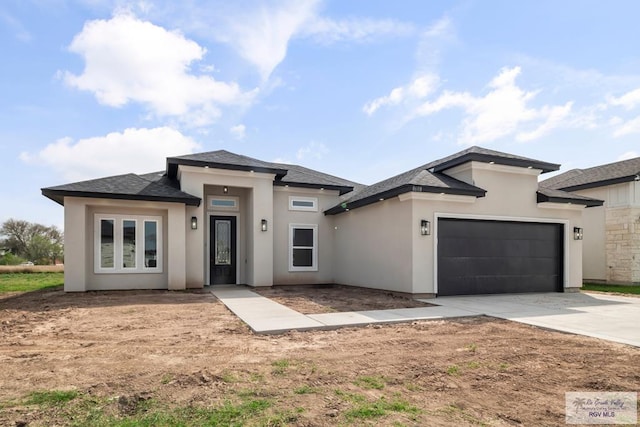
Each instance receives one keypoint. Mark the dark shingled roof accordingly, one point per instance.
(151, 187)
(293, 175)
(598, 176)
(299, 176)
(559, 196)
(222, 159)
(430, 178)
(484, 155)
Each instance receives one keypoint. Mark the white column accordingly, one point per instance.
(76, 259)
(176, 247)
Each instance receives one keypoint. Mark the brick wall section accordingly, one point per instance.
(622, 245)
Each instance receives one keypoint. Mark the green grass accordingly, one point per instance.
(280, 366)
(453, 370)
(27, 282)
(379, 408)
(621, 289)
(51, 398)
(376, 383)
(305, 389)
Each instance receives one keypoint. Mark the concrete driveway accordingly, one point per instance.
(613, 318)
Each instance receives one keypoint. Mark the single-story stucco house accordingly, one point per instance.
(472, 223)
(612, 232)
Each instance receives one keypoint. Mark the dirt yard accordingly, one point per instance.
(102, 358)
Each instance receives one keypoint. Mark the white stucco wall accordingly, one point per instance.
(80, 273)
(594, 259)
(283, 217)
(380, 245)
(255, 189)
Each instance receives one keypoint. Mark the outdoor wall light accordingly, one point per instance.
(263, 225)
(194, 222)
(225, 189)
(577, 233)
(425, 227)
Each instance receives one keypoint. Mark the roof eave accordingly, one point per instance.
(173, 163)
(59, 195)
(342, 189)
(541, 198)
(488, 158)
(343, 207)
(603, 183)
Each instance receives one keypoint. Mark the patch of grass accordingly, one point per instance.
(376, 383)
(453, 370)
(459, 412)
(379, 408)
(228, 377)
(51, 397)
(280, 366)
(27, 282)
(305, 389)
(350, 397)
(621, 289)
(503, 366)
(473, 365)
(472, 348)
(166, 379)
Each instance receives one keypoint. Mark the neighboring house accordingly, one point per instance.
(611, 232)
(473, 222)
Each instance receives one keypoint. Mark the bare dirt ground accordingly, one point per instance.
(336, 298)
(121, 350)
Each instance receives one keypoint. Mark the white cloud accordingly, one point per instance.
(418, 89)
(129, 60)
(629, 100)
(326, 30)
(238, 131)
(134, 150)
(628, 127)
(260, 31)
(628, 155)
(313, 150)
(503, 110)
(18, 29)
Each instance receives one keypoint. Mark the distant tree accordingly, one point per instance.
(35, 242)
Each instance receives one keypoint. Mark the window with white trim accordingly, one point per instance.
(297, 203)
(303, 247)
(223, 203)
(128, 244)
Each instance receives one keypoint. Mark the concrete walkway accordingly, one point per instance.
(265, 316)
(613, 318)
(609, 317)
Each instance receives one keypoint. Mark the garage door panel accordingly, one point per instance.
(477, 257)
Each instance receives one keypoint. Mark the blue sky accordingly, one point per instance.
(360, 89)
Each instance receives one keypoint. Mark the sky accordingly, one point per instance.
(362, 89)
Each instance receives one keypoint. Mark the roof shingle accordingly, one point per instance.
(598, 176)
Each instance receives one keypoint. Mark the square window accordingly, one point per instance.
(303, 247)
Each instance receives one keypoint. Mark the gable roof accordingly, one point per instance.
(598, 176)
(558, 196)
(484, 155)
(286, 174)
(222, 159)
(151, 187)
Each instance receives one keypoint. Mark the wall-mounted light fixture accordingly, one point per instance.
(194, 222)
(425, 227)
(225, 189)
(263, 225)
(577, 233)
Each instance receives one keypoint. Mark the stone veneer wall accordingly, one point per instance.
(623, 245)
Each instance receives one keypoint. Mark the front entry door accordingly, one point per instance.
(222, 250)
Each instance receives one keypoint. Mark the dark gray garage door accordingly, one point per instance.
(489, 257)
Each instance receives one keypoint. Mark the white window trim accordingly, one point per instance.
(234, 208)
(314, 256)
(313, 200)
(118, 244)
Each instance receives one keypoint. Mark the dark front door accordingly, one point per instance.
(489, 257)
(222, 250)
